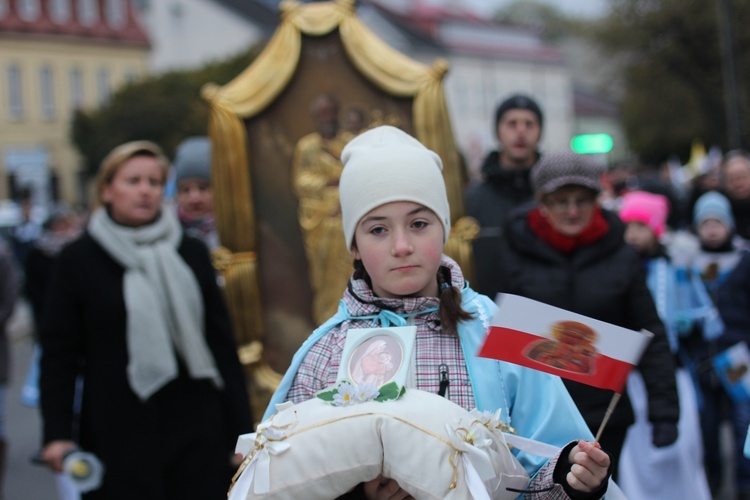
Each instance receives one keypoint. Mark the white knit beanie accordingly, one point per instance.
(383, 165)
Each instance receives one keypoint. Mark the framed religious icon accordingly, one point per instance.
(278, 130)
(377, 356)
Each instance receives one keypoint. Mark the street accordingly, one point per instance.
(23, 480)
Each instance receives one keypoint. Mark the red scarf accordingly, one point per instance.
(567, 244)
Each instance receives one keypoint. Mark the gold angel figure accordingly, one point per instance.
(316, 170)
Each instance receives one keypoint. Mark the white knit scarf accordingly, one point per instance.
(162, 300)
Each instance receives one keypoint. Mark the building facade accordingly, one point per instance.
(488, 62)
(57, 56)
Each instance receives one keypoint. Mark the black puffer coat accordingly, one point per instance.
(605, 281)
(501, 191)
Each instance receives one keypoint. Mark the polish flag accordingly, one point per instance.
(549, 339)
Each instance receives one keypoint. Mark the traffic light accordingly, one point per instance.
(591, 143)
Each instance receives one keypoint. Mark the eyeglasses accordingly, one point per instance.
(562, 205)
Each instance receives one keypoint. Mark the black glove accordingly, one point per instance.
(664, 433)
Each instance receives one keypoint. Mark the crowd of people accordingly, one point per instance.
(137, 356)
(631, 245)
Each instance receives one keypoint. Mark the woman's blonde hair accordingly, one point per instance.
(118, 156)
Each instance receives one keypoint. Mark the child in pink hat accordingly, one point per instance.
(643, 466)
(646, 216)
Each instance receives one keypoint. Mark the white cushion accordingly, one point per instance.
(315, 450)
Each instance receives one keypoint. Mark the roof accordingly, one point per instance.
(460, 31)
(450, 29)
(586, 103)
(263, 13)
(130, 32)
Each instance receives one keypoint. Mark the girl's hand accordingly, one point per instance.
(383, 488)
(590, 466)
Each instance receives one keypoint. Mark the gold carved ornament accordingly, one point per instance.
(261, 83)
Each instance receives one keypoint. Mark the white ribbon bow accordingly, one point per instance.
(478, 466)
(259, 469)
(262, 461)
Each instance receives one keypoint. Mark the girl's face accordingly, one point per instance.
(640, 237)
(134, 195)
(400, 244)
(713, 233)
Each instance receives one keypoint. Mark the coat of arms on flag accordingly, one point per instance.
(549, 339)
(733, 368)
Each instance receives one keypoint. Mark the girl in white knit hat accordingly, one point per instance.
(396, 220)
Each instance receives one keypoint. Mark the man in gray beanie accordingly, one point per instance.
(505, 183)
(192, 165)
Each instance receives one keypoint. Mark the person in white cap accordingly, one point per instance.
(396, 220)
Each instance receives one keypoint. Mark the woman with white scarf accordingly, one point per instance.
(134, 312)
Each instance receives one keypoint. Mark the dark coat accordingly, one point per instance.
(741, 214)
(733, 303)
(83, 333)
(605, 281)
(490, 202)
(38, 270)
(10, 286)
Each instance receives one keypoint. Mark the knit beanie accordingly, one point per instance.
(193, 159)
(647, 208)
(383, 165)
(517, 101)
(713, 205)
(555, 170)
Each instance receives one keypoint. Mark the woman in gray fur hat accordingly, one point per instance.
(569, 252)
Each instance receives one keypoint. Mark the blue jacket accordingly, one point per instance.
(534, 403)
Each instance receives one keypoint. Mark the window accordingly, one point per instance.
(87, 12)
(47, 88)
(76, 88)
(115, 12)
(28, 10)
(59, 11)
(3, 8)
(131, 75)
(102, 85)
(15, 97)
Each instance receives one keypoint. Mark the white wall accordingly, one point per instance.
(474, 87)
(190, 33)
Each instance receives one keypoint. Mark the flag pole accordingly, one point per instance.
(607, 414)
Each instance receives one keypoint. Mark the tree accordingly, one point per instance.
(164, 109)
(553, 24)
(669, 55)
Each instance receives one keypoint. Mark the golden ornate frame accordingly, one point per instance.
(256, 88)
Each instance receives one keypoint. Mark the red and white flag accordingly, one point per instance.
(549, 339)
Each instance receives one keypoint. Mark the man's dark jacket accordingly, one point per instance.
(490, 202)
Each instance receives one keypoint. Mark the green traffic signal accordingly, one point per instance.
(591, 143)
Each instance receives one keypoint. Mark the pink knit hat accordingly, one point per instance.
(647, 208)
